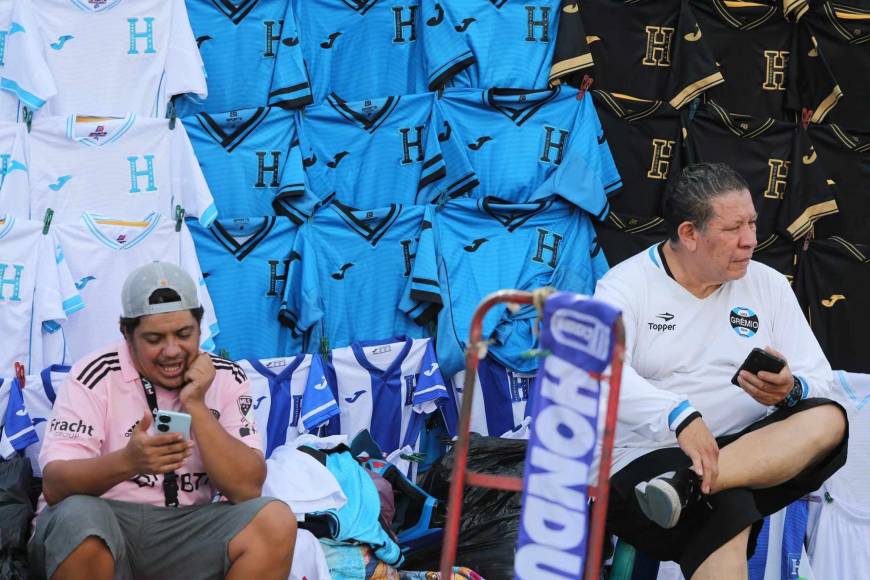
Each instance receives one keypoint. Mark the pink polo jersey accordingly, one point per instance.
(103, 399)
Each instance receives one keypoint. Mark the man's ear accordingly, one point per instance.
(688, 235)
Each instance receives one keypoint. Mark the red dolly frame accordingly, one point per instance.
(461, 477)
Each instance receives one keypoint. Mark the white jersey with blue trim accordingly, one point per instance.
(18, 433)
(125, 167)
(24, 74)
(102, 251)
(37, 293)
(114, 57)
(14, 180)
(386, 387)
(682, 351)
(290, 397)
(501, 397)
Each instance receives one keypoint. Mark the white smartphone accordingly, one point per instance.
(171, 422)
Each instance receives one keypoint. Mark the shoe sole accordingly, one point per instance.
(660, 503)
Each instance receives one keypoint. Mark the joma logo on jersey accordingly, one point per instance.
(535, 22)
(272, 38)
(555, 139)
(404, 21)
(409, 143)
(552, 247)
(777, 178)
(12, 281)
(262, 168)
(775, 63)
(147, 35)
(658, 46)
(661, 159)
(136, 173)
(274, 277)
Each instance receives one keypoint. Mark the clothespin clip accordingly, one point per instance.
(179, 217)
(28, 118)
(536, 353)
(224, 353)
(415, 457)
(806, 115)
(324, 346)
(19, 374)
(46, 221)
(584, 86)
(170, 112)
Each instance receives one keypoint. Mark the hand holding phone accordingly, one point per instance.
(759, 360)
(172, 422)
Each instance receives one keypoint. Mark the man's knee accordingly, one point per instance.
(76, 506)
(274, 527)
(832, 422)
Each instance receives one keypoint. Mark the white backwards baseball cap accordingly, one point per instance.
(145, 280)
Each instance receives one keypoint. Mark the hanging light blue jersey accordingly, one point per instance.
(388, 387)
(251, 160)
(365, 49)
(514, 42)
(348, 271)
(290, 397)
(525, 145)
(380, 151)
(251, 54)
(244, 263)
(479, 246)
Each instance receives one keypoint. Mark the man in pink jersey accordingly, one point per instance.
(121, 499)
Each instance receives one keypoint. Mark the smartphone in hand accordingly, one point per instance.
(759, 360)
(171, 422)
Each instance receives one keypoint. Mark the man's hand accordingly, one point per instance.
(765, 387)
(698, 443)
(154, 454)
(198, 379)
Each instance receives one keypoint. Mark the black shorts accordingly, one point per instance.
(701, 531)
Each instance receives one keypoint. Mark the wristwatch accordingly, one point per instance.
(794, 395)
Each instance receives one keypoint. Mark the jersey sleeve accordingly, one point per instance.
(811, 195)
(795, 340)
(693, 69)
(301, 306)
(460, 178)
(18, 433)
(76, 427)
(434, 168)
(421, 298)
(185, 71)
(811, 84)
(189, 188)
(237, 413)
(190, 264)
(431, 386)
(24, 71)
(572, 53)
(643, 408)
(56, 294)
(290, 88)
(318, 403)
(446, 50)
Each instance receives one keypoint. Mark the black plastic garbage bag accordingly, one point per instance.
(16, 513)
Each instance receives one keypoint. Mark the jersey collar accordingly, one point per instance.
(351, 111)
(235, 12)
(271, 375)
(612, 100)
(743, 20)
(836, 13)
(240, 250)
(370, 224)
(361, 6)
(519, 105)
(851, 142)
(742, 125)
(229, 140)
(382, 374)
(512, 215)
(93, 223)
(7, 225)
(95, 6)
(47, 385)
(119, 128)
(128, 370)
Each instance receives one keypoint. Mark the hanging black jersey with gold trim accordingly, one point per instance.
(843, 34)
(831, 284)
(844, 154)
(652, 49)
(645, 139)
(623, 236)
(754, 47)
(790, 194)
(778, 253)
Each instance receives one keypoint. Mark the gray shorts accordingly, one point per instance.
(146, 541)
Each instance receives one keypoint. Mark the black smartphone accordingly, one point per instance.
(759, 360)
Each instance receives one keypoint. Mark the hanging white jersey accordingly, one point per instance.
(678, 346)
(500, 398)
(24, 75)
(290, 397)
(102, 251)
(114, 57)
(36, 293)
(386, 387)
(126, 168)
(18, 433)
(13, 169)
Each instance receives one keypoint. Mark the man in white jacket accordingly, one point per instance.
(699, 461)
